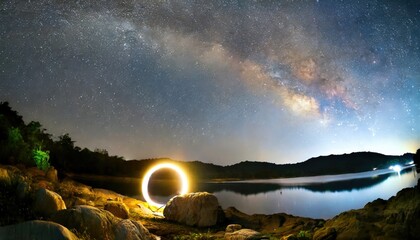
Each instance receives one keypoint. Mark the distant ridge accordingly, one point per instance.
(19, 140)
(322, 165)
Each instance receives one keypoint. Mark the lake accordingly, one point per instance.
(314, 197)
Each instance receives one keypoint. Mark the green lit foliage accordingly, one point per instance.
(15, 147)
(304, 235)
(19, 142)
(30, 145)
(14, 136)
(41, 158)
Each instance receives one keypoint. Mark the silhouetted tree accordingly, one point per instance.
(101, 151)
(416, 158)
(66, 141)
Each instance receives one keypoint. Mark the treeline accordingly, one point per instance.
(30, 145)
(22, 143)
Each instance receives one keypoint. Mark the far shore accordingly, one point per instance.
(305, 179)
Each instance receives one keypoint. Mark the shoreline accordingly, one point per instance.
(282, 181)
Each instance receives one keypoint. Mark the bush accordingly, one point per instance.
(42, 159)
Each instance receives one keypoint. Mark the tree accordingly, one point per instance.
(416, 158)
(36, 136)
(101, 151)
(11, 116)
(65, 141)
(15, 137)
(16, 148)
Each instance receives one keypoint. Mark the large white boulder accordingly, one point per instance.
(199, 209)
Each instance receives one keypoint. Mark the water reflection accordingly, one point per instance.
(317, 200)
(332, 183)
(250, 188)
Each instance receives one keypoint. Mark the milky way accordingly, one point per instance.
(217, 81)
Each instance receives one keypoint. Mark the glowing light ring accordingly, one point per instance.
(146, 178)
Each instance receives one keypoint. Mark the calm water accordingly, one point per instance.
(315, 197)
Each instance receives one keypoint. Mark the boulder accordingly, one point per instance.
(100, 224)
(33, 230)
(131, 230)
(233, 227)
(5, 177)
(199, 209)
(51, 174)
(138, 208)
(279, 222)
(119, 209)
(102, 196)
(86, 219)
(243, 234)
(23, 187)
(47, 202)
(256, 221)
(35, 172)
(325, 234)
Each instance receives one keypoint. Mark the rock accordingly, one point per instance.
(79, 201)
(95, 222)
(289, 237)
(51, 174)
(242, 234)
(233, 227)
(100, 224)
(325, 234)
(75, 193)
(119, 209)
(397, 218)
(35, 172)
(5, 178)
(23, 190)
(47, 202)
(36, 230)
(194, 209)
(279, 222)
(137, 207)
(102, 196)
(235, 216)
(255, 221)
(131, 230)
(41, 183)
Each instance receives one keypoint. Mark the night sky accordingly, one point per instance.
(217, 81)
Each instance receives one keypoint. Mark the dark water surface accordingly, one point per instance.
(315, 197)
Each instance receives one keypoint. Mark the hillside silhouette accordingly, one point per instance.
(21, 142)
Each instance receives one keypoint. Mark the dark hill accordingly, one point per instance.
(20, 142)
(323, 165)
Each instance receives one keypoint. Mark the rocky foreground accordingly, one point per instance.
(37, 205)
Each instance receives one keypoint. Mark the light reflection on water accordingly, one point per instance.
(306, 202)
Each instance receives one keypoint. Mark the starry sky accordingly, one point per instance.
(217, 81)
